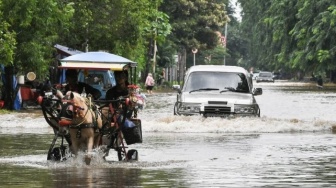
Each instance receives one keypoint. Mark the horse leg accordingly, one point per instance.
(90, 141)
(97, 140)
(75, 142)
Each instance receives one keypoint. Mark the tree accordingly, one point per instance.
(119, 27)
(194, 25)
(30, 29)
(294, 35)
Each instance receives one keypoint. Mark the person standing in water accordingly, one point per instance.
(149, 83)
(319, 82)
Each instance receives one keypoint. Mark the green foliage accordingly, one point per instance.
(7, 43)
(120, 27)
(30, 29)
(4, 111)
(158, 28)
(288, 34)
(194, 23)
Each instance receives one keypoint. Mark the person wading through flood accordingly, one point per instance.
(79, 87)
(149, 83)
(319, 82)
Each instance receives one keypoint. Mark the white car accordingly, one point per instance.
(217, 90)
(265, 77)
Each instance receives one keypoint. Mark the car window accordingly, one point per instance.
(265, 74)
(216, 80)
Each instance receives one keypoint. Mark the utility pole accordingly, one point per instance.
(194, 51)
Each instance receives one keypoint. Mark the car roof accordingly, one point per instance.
(264, 72)
(217, 68)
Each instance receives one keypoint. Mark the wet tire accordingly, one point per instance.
(132, 155)
(57, 154)
(120, 154)
(176, 106)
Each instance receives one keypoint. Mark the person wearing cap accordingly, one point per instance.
(75, 86)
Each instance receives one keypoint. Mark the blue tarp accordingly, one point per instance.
(17, 100)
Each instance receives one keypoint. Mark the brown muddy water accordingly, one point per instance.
(292, 144)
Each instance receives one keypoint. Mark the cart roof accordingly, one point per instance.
(96, 60)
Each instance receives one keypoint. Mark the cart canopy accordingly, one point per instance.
(96, 60)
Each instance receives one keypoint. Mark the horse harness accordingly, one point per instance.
(82, 125)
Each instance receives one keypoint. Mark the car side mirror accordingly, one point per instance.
(177, 88)
(257, 91)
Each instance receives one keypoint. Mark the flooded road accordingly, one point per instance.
(291, 145)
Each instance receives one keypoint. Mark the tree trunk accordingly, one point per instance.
(333, 76)
(182, 57)
(8, 92)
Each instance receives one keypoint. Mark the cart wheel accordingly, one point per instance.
(132, 155)
(55, 154)
(58, 154)
(120, 154)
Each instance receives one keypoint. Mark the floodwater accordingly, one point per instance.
(292, 144)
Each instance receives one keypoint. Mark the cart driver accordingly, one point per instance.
(121, 89)
(75, 86)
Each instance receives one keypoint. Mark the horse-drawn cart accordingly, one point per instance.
(99, 125)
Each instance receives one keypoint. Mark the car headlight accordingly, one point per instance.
(190, 107)
(244, 109)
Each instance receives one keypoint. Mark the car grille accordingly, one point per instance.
(216, 110)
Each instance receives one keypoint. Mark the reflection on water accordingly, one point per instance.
(22, 177)
(290, 145)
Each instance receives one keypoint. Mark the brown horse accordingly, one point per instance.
(84, 122)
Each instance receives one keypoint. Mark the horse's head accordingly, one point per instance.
(80, 105)
(73, 109)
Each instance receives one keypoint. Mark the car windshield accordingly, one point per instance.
(265, 74)
(222, 81)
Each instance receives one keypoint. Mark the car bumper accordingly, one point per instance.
(224, 115)
(265, 80)
(229, 115)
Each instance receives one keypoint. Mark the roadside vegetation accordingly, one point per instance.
(293, 38)
(296, 38)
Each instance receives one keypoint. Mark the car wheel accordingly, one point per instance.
(176, 106)
(259, 113)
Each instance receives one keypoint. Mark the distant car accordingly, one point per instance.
(217, 91)
(265, 77)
